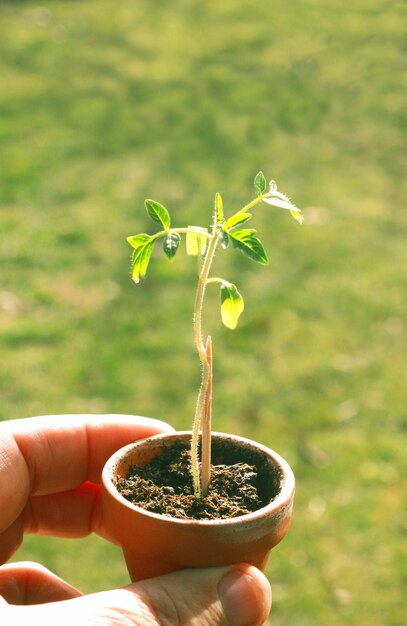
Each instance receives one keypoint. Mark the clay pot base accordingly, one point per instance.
(238, 485)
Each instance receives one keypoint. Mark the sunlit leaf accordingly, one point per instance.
(171, 244)
(158, 213)
(249, 244)
(138, 240)
(282, 203)
(219, 208)
(140, 260)
(277, 198)
(196, 240)
(236, 220)
(231, 306)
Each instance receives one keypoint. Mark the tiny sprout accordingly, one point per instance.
(203, 242)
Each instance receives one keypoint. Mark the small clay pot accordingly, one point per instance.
(156, 544)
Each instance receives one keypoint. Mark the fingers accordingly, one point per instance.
(74, 513)
(65, 514)
(30, 583)
(50, 454)
(216, 597)
(11, 539)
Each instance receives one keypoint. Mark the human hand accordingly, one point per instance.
(49, 484)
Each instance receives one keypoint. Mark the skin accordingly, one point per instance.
(50, 471)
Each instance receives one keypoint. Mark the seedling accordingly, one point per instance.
(203, 242)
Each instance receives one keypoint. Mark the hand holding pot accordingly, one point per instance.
(49, 484)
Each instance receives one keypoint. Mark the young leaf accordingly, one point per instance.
(236, 220)
(158, 213)
(171, 244)
(249, 244)
(140, 260)
(219, 208)
(279, 199)
(260, 183)
(282, 203)
(196, 240)
(231, 305)
(138, 240)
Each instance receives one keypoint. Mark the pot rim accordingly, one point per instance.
(283, 498)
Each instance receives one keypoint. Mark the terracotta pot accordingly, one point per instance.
(157, 544)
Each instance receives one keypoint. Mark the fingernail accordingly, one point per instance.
(240, 597)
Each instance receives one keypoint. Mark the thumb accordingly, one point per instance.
(238, 596)
(233, 596)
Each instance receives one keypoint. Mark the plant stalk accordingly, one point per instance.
(206, 370)
(250, 205)
(206, 427)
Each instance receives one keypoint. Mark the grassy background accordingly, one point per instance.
(105, 103)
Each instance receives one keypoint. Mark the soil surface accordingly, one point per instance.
(165, 486)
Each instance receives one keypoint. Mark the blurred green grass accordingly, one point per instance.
(103, 104)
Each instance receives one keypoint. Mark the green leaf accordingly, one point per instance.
(236, 220)
(224, 239)
(158, 213)
(260, 183)
(138, 240)
(196, 240)
(219, 208)
(231, 305)
(171, 244)
(140, 260)
(249, 244)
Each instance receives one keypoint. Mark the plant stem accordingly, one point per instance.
(250, 205)
(206, 426)
(202, 403)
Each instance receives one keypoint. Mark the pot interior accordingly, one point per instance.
(269, 475)
(225, 450)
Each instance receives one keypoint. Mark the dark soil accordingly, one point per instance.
(165, 486)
